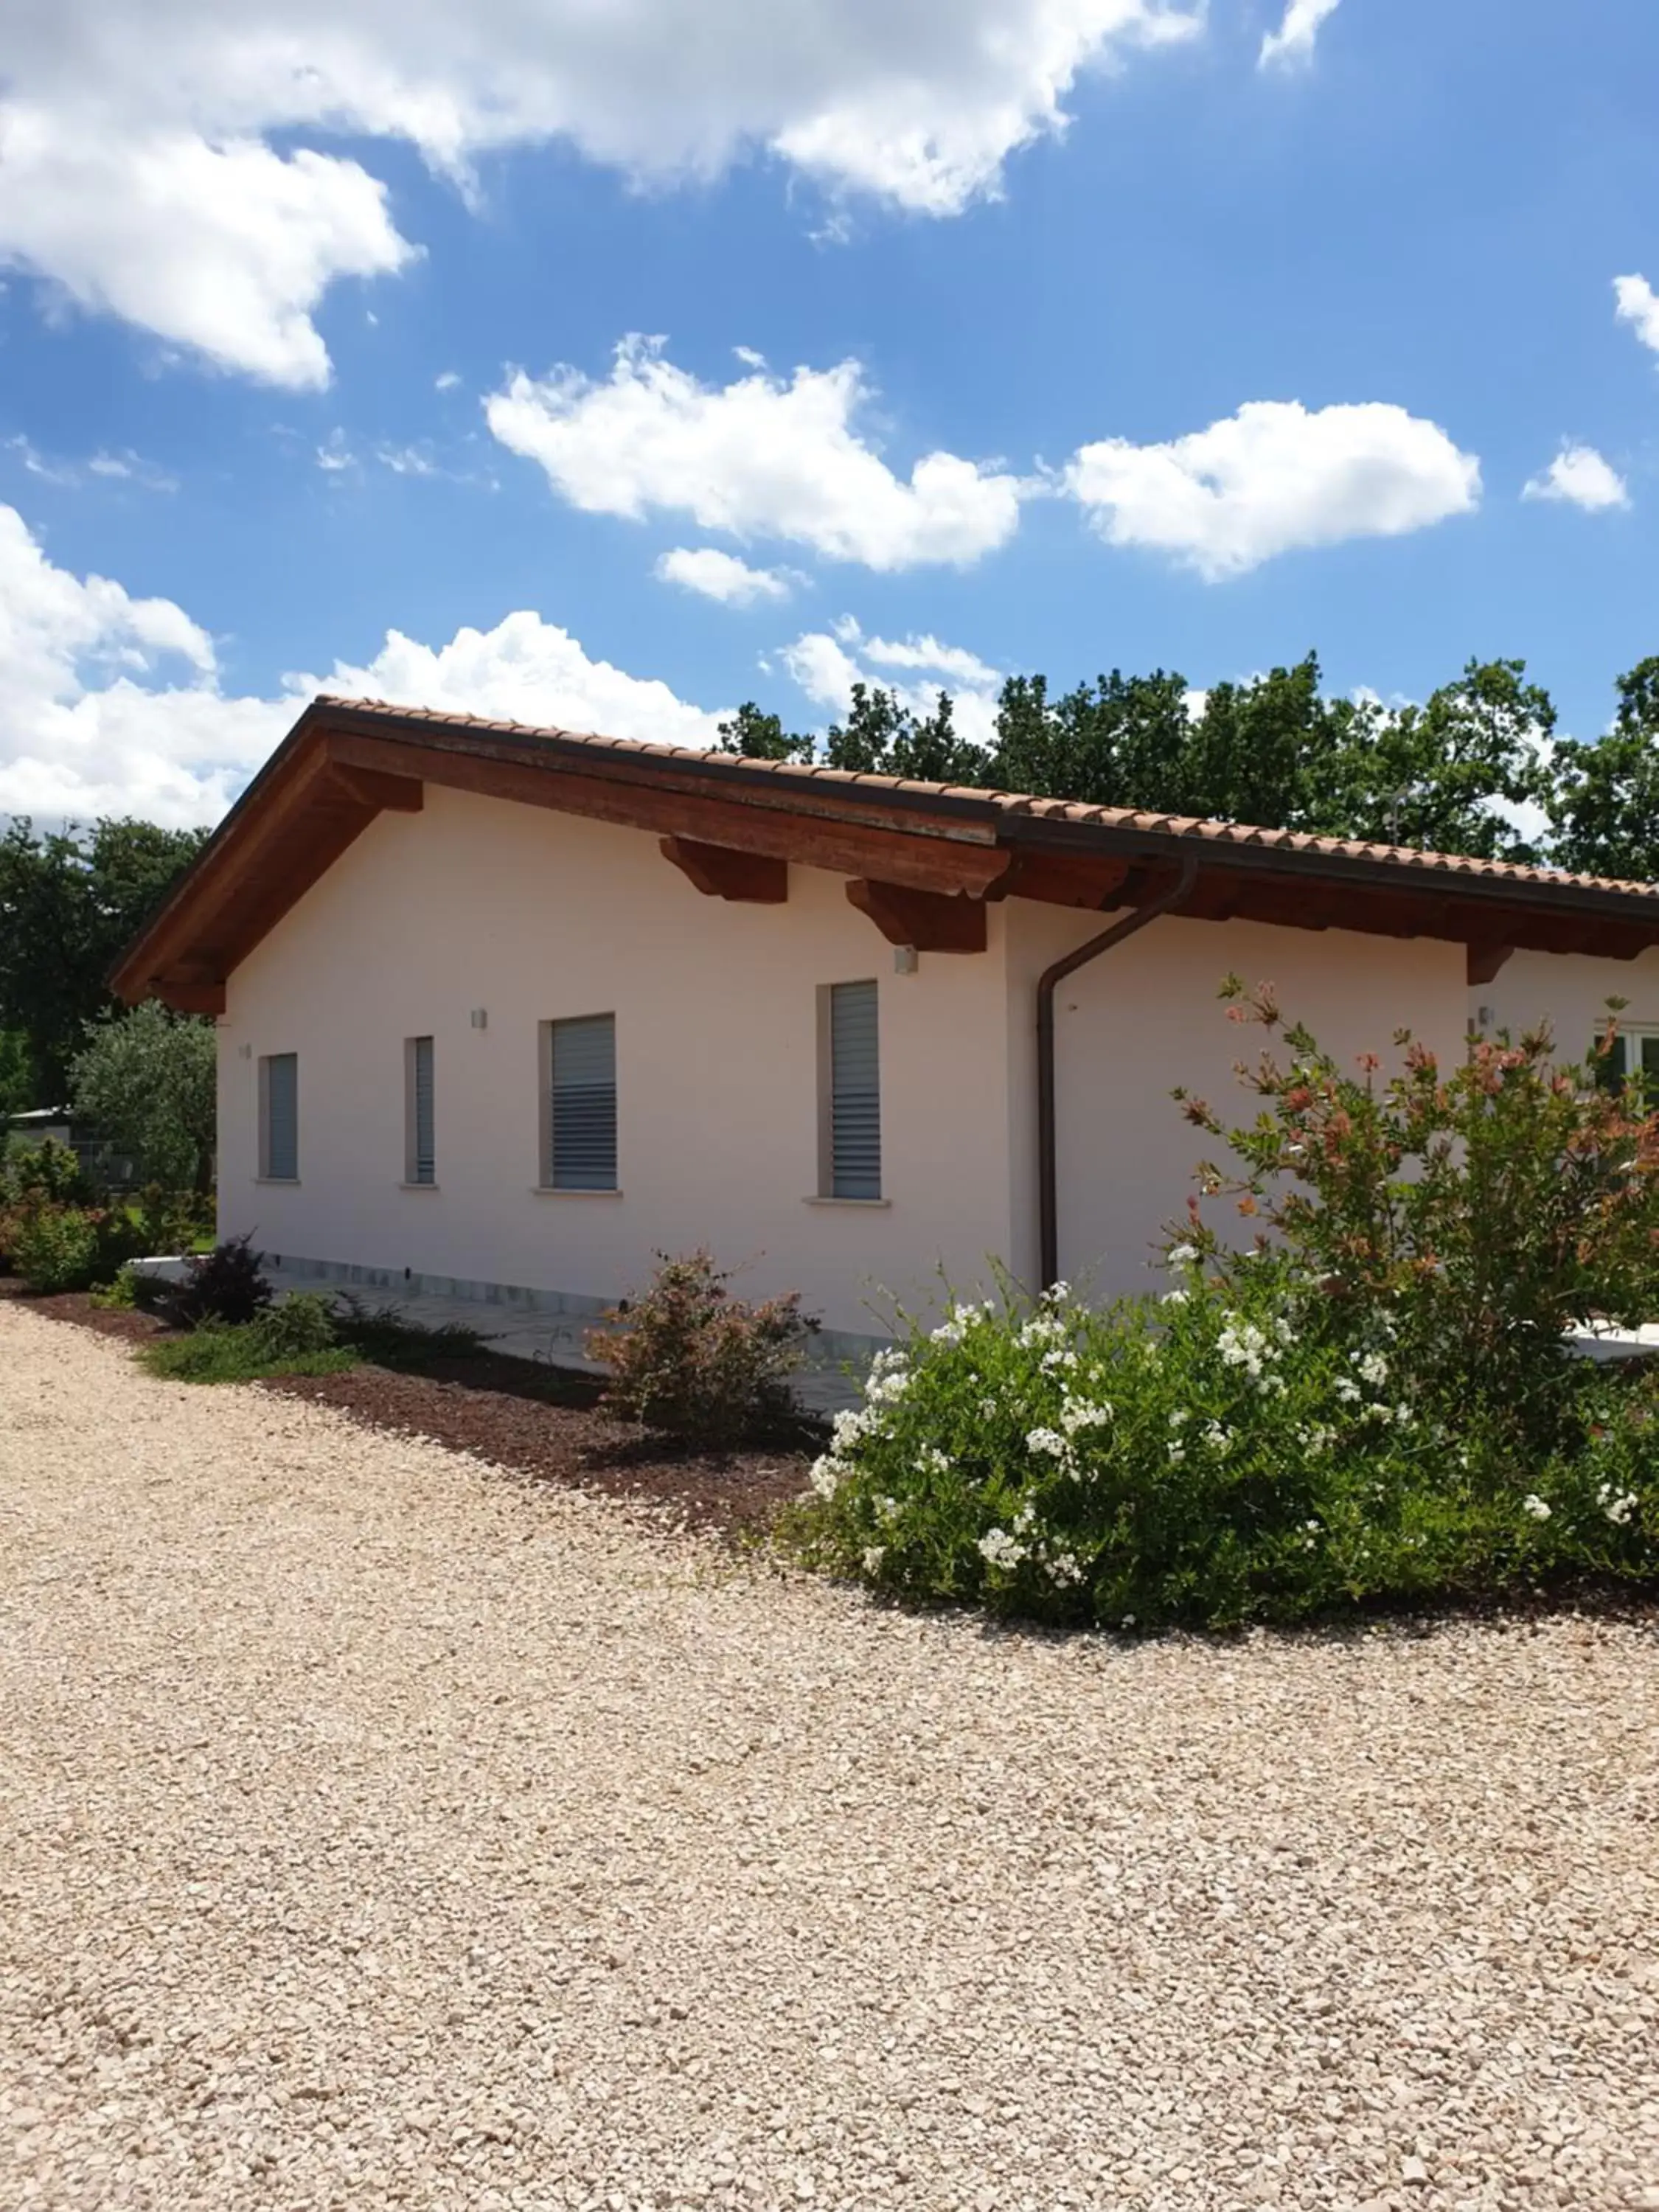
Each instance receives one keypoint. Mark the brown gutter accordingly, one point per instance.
(1048, 982)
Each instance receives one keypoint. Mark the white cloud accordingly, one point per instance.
(224, 247)
(135, 170)
(111, 704)
(721, 576)
(1637, 304)
(525, 670)
(1293, 41)
(125, 467)
(759, 457)
(1272, 478)
(1580, 475)
(953, 664)
(826, 663)
(447, 382)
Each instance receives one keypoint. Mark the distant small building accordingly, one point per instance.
(504, 1012)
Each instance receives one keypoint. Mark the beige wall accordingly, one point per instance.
(1147, 1018)
(1569, 992)
(477, 903)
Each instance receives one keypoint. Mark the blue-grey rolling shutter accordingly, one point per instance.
(855, 1092)
(424, 1162)
(283, 1116)
(584, 1115)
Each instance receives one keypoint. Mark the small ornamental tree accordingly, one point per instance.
(146, 1078)
(1487, 1207)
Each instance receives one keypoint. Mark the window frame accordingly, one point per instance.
(1627, 1048)
(827, 1192)
(267, 1173)
(547, 1166)
(413, 1179)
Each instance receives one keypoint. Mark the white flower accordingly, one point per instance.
(886, 1389)
(848, 1427)
(1127, 1621)
(1178, 1419)
(1346, 1389)
(887, 1508)
(988, 1409)
(1000, 1548)
(1182, 1256)
(873, 1556)
(1052, 1361)
(1076, 1413)
(1064, 1567)
(1173, 1298)
(827, 1476)
(1373, 1369)
(1043, 1328)
(1536, 1507)
(1219, 1440)
(949, 1332)
(1057, 1293)
(1618, 1510)
(1048, 1440)
(932, 1461)
(1177, 1455)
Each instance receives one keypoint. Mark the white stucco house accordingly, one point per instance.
(504, 1012)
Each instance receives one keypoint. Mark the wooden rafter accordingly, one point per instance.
(721, 871)
(926, 919)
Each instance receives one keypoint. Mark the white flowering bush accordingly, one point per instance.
(1219, 1455)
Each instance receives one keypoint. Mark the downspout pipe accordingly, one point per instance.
(1047, 983)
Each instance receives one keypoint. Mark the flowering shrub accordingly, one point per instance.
(1214, 1459)
(71, 1248)
(1378, 1399)
(689, 1359)
(1486, 1209)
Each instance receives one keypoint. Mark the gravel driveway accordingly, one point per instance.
(377, 1830)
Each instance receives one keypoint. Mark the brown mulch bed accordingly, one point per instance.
(540, 1421)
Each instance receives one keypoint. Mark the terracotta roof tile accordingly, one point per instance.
(1406, 858)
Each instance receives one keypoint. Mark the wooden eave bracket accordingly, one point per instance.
(932, 921)
(1485, 960)
(722, 871)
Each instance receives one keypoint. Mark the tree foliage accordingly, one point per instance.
(146, 1078)
(69, 901)
(1604, 803)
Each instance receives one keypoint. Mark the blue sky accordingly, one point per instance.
(310, 333)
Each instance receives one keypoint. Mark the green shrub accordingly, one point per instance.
(388, 1337)
(1212, 1459)
(122, 1294)
(689, 1359)
(47, 1174)
(55, 1248)
(297, 1337)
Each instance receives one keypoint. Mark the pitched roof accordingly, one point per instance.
(346, 760)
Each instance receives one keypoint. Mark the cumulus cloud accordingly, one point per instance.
(721, 576)
(760, 457)
(111, 704)
(1293, 41)
(1637, 304)
(826, 665)
(1579, 475)
(1274, 477)
(525, 670)
(137, 170)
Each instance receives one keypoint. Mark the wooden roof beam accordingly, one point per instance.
(925, 920)
(721, 872)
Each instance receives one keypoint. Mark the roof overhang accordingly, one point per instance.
(921, 859)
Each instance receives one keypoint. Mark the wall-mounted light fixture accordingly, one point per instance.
(481, 1017)
(905, 960)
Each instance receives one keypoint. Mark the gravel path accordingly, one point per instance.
(377, 1830)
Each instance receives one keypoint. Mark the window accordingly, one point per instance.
(420, 1155)
(279, 1117)
(579, 1146)
(849, 1129)
(1635, 1052)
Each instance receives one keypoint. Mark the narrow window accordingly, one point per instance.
(279, 1117)
(580, 1091)
(850, 1142)
(1635, 1054)
(420, 1153)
